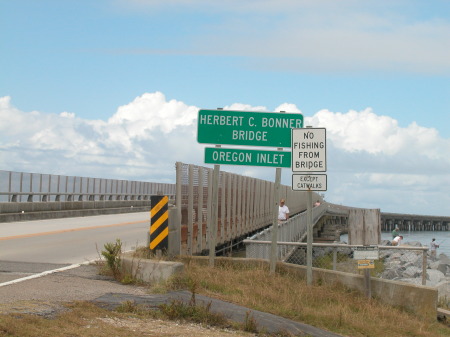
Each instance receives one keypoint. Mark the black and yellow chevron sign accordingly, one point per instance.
(159, 222)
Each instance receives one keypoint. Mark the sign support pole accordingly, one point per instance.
(276, 200)
(366, 271)
(309, 239)
(213, 223)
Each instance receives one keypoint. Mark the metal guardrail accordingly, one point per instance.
(46, 196)
(31, 187)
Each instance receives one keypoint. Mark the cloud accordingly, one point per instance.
(372, 162)
(145, 134)
(366, 131)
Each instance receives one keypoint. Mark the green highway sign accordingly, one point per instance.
(247, 127)
(218, 155)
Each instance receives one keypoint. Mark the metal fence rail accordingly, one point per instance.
(29, 187)
(403, 263)
(294, 229)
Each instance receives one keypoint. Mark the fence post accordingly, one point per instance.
(190, 210)
(424, 267)
(334, 258)
(174, 248)
(178, 195)
(276, 197)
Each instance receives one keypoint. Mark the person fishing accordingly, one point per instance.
(433, 249)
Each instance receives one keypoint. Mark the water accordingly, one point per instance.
(442, 239)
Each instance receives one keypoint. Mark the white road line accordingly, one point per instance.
(48, 272)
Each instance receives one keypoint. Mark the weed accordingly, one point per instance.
(178, 310)
(112, 255)
(444, 302)
(250, 323)
(128, 279)
(128, 307)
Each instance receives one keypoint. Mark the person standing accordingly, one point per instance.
(433, 249)
(395, 232)
(283, 211)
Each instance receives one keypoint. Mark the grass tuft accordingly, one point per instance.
(178, 310)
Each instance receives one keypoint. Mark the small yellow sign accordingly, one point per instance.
(364, 264)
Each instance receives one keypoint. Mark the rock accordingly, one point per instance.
(412, 272)
(412, 244)
(442, 267)
(392, 264)
(411, 257)
(444, 259)
(396, 256)
(433, 264)
(390, 274)
(435, 277)
(444, 290)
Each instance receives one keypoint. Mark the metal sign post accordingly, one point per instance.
(213, 223)
(309, 239)
(366, 256)
(276, 197)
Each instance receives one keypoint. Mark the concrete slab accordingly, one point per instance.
(236, 313)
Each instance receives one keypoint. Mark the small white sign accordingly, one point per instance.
(366, 253)
(309, 150)
(309, 182)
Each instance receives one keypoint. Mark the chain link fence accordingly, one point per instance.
(407, 264)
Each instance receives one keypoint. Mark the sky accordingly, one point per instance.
(112, 88)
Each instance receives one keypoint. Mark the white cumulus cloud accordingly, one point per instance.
(372, 162)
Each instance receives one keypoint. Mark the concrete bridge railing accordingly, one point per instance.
(35, 196)
(39, 187)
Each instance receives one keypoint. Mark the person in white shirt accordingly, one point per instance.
(397, 240)
(433, 246)
(283, 211)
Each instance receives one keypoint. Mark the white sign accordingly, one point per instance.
(309, 151)
(309, 182)
(366, 253)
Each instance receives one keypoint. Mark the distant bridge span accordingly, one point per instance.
(414, 222)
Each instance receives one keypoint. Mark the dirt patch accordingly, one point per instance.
(157, 327)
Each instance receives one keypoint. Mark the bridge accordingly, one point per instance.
(244, 207)
(413, 222)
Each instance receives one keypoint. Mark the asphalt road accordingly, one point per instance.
(32, 247)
